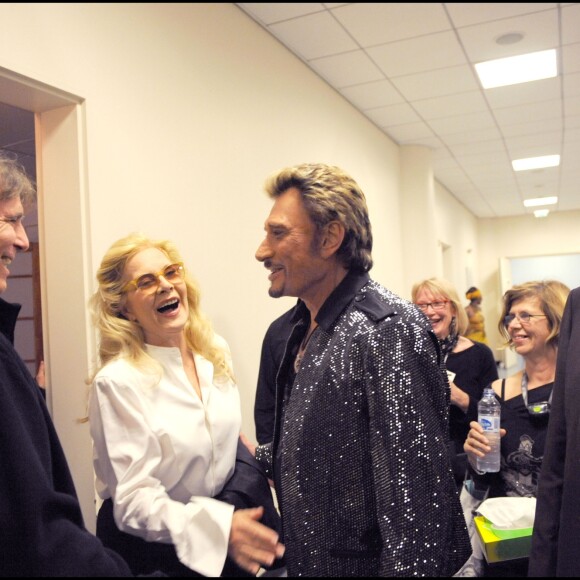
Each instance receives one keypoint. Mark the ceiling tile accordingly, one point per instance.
(473, 133)
(458, 104)
(533, 128)
(457, 79)
(378, 23)
(408, 133)
(314, 36)
(571, 139)
(571, 58)
(572, 85)
(466, 13)
(371, 95)
(572, 106)
(489, 134)
(538, 111)
(477, 147)
(343, 70)
(541, 33)
(420, 54)
(393, 115)
(433, 143)
(570, 20)
(462, 123)
(478, 165)
(269, 12)
(532, 92)
(550, 141)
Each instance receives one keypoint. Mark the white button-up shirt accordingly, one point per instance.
(161, 453)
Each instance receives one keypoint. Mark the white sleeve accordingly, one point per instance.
(127, 455)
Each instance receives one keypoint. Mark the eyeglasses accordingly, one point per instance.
(149, 283)
(434, 305)
(523, 317)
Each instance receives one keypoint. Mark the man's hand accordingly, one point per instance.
(252, 544)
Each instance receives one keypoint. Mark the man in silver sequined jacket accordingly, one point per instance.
(359, 456)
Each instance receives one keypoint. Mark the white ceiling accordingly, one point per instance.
(409, 68)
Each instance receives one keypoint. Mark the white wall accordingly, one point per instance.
(178, 114)
(183, 111)
(518, 237)
(457, 230)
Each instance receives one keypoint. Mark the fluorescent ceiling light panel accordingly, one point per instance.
(541, 212)
(518, 69)
(536, 162)
(540, 201)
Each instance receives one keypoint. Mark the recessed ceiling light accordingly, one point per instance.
(540, 201)
(509, 38)
(541, 212)
(518, 69)
(536, 162)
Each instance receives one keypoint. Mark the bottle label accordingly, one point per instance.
(489, 423)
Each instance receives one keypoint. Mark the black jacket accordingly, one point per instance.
(359, 453)
(557, 522)
(8, 316)
(41, 525)
(273, 347)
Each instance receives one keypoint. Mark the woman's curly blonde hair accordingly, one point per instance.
(120, 337)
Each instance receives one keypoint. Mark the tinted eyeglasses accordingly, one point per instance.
(435, 305)
(523, 317)
(149, 283)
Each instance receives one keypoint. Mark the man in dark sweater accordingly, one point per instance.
(42, 532)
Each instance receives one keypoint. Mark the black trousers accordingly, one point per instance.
(147, 558)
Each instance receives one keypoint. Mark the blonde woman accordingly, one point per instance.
(164, 412)
(470, 364)
(530, 323)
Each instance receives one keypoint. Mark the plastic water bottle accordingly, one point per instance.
(489, 415)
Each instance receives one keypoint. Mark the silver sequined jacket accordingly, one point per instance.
(359, 455)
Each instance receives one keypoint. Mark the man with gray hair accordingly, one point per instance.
(359, 456)
(43, 533)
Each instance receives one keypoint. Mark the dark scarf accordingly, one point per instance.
(448, 343)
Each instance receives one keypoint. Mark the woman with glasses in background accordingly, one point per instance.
(165, 418)
(530, 322)
(470, 365)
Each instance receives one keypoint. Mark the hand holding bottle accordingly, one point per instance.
(477, 445)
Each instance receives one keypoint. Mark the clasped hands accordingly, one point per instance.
(252, 544)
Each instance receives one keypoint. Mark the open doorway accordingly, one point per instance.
(65, 262)
(17, 139)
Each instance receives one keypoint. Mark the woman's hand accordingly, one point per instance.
(252, 544)
(459, 398)
(477, 445)
(251, 446)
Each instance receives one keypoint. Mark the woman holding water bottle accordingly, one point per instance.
(470, 365)
(530, 321)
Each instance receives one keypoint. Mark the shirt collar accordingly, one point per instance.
(339, 298)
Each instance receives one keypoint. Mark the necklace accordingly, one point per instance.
(302, 349)
(525, 396)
